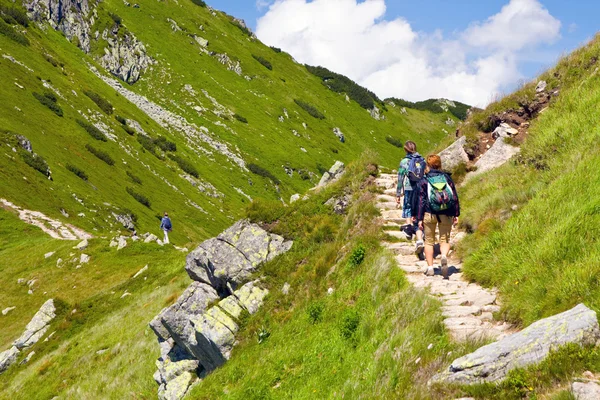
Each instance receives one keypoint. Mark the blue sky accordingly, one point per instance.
(424, 24)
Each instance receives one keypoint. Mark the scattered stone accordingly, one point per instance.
(150, 238)
(8, 309)
(496, 156)
(330, 291)
(201, 41)
(285, 289)
(375, 113)
(339, 204)
(58, 262)
(122, 243)
(82, 245)
(294, 198)
(84, 259)
(38, 325)
(492, 363)
(101, 351)
(337, 132)
(21, 281)
(585, 391)
(141, 271)
(125, 294)
(125, 220)
(541, 86)
(504, 130)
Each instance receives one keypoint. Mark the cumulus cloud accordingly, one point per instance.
(390, 58)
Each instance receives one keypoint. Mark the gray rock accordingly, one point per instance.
(84, 259)
(7, 358)
(125, 220)
(454, 155)
(541, 86)
(125, 57)
(177, 388)
(492, 363)
(7, 310)
(294, 198)
(121, 243)
(334, 173)
(49, 254)
(25, 143)
(82, 245)
(504, 130)
(339, 204)
(585, 391)
(214, 338)
(201, 41)
(337, 132)
(375, 113)
(28, 358)
(38, 325)
(496, 156)
(286, 288)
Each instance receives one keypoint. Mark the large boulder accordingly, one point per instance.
(38, 325)
(455, 154)
(492, 363)
(497, 155)
(334, 173)
(585, 390)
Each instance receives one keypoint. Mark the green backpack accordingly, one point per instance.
(440, 193)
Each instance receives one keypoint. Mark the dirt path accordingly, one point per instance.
(467, 307)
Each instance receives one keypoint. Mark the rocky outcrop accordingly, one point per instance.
(376, 113)
(497, 155)
(197, 333)
(532, 345)
(334, 173)
(454, 155)
(8, 358)
(340, 135)
(230, 64)
(125, 57)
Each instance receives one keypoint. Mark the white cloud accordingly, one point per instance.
(390, 58)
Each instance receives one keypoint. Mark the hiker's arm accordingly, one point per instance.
(457, 207)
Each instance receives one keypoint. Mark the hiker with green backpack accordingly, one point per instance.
(411, 171)
(437, 207)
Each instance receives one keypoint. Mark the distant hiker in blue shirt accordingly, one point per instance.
(411, 171)
(166, 226)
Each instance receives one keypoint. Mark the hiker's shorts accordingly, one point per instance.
(430, 223)
(406, 207)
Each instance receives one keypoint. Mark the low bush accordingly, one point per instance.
(49, 100)
(185, 165)
(258, 170)
(101, 102)
(342, 84)
(92, 131)
(265, 211)
(35, 161)
(147, 143)
(200, 3)
(309, 109)
(164, 144)
(242, 28)
(265, 63)
(349, 323)
(51, 60)
(117, 20)
(129, 130)
(79, 172)
(240, 118)
(315, 312)
(276, 49)
(395, 142)
(11, 33)
(134, 178)
(15, 14)
(357, 256)
(122, 120)
(140, 198)
(100, 154)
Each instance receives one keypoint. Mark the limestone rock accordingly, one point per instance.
(454, 155)
(125, 57)
(177, 388)
(286, 288)
(201, 41)
(334, 173)
(337, 132)
(150, 238)
(496, 156)
(294, 198)
(339, 204)
(38, 325)
(49, 254)
(84, 259)
(7, 310)
(541, 86)
(82, 245)
(25, 143)
(585, 391)
(172, 365)
(375, 113)
(492, 363)
(125, 220)
(121, 243)
(7, 358)
(504, 130)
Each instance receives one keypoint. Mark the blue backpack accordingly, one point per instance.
(167, 224)
(416, 169)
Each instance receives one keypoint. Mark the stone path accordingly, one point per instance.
(468, 307)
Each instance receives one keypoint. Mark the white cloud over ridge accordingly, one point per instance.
(393, 60)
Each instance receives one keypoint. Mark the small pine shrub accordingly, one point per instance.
(121, 119)
(100, 154)
(35, 161)
(11, 33)
(258, 170)
(128, 129)
(140, 198)
(315, 312)
(117, 20)
(134, 178)
(15, 14)
(240, 118)
(349, 323)
(79, 172)
(164, 144)
(92, 131)
(200, 3)
(101, 102)
(51, 60)
(357, 256)
(147, 143)
(276, 49)
(265, 63)
(394, 142)
(309, 109)
(185, 165)
(49, 100)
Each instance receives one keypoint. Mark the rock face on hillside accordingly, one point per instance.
(454, 155)
(492, 363)
(334, 173)
(125, 58)
(195, 337)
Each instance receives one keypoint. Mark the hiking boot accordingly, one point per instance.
(419, 247)
(430, 271)
(444, 262)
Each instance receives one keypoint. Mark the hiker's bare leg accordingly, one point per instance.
(444, 249)
(429, 255)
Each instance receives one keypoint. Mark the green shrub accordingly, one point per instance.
(357, 256)
(92, 131)
(79, 172)
(263, 61)
(122, 120)
(134, 178)
(240, 118)
(395, 142)
(266, 211)
(200, 3)
(164, 144)
(147, 143)
(342, 84)
(115, 18)
(100, 154)
(128, 129)
(304, 175)
(349, 323)
(309, 109)
(49, 100)
(36, 162)
(140, 198)
(11, 33)
(100, 102)
(185, 165)
(14, 14)
(258, 170)
(51, 60)
(262, 334)
(434, 106)
(315, 312)
(275, 49)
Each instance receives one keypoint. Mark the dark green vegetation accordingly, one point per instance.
(264, 62)
(7, 30)
(100, 102)
(185, 165)
(258, 170)
(79, 172)
(459, 110)
(35, 161)
(49, 100)
(140, 198)
(309, 108)
(102, 155)
(394, 142)
(341, 84)
(92, 130)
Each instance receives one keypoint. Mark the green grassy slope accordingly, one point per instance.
(544, 255)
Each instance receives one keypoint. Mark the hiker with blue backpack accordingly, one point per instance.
(411, 171)
(166, 226)
(437, 207)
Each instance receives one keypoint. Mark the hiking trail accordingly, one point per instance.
(467, 307)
